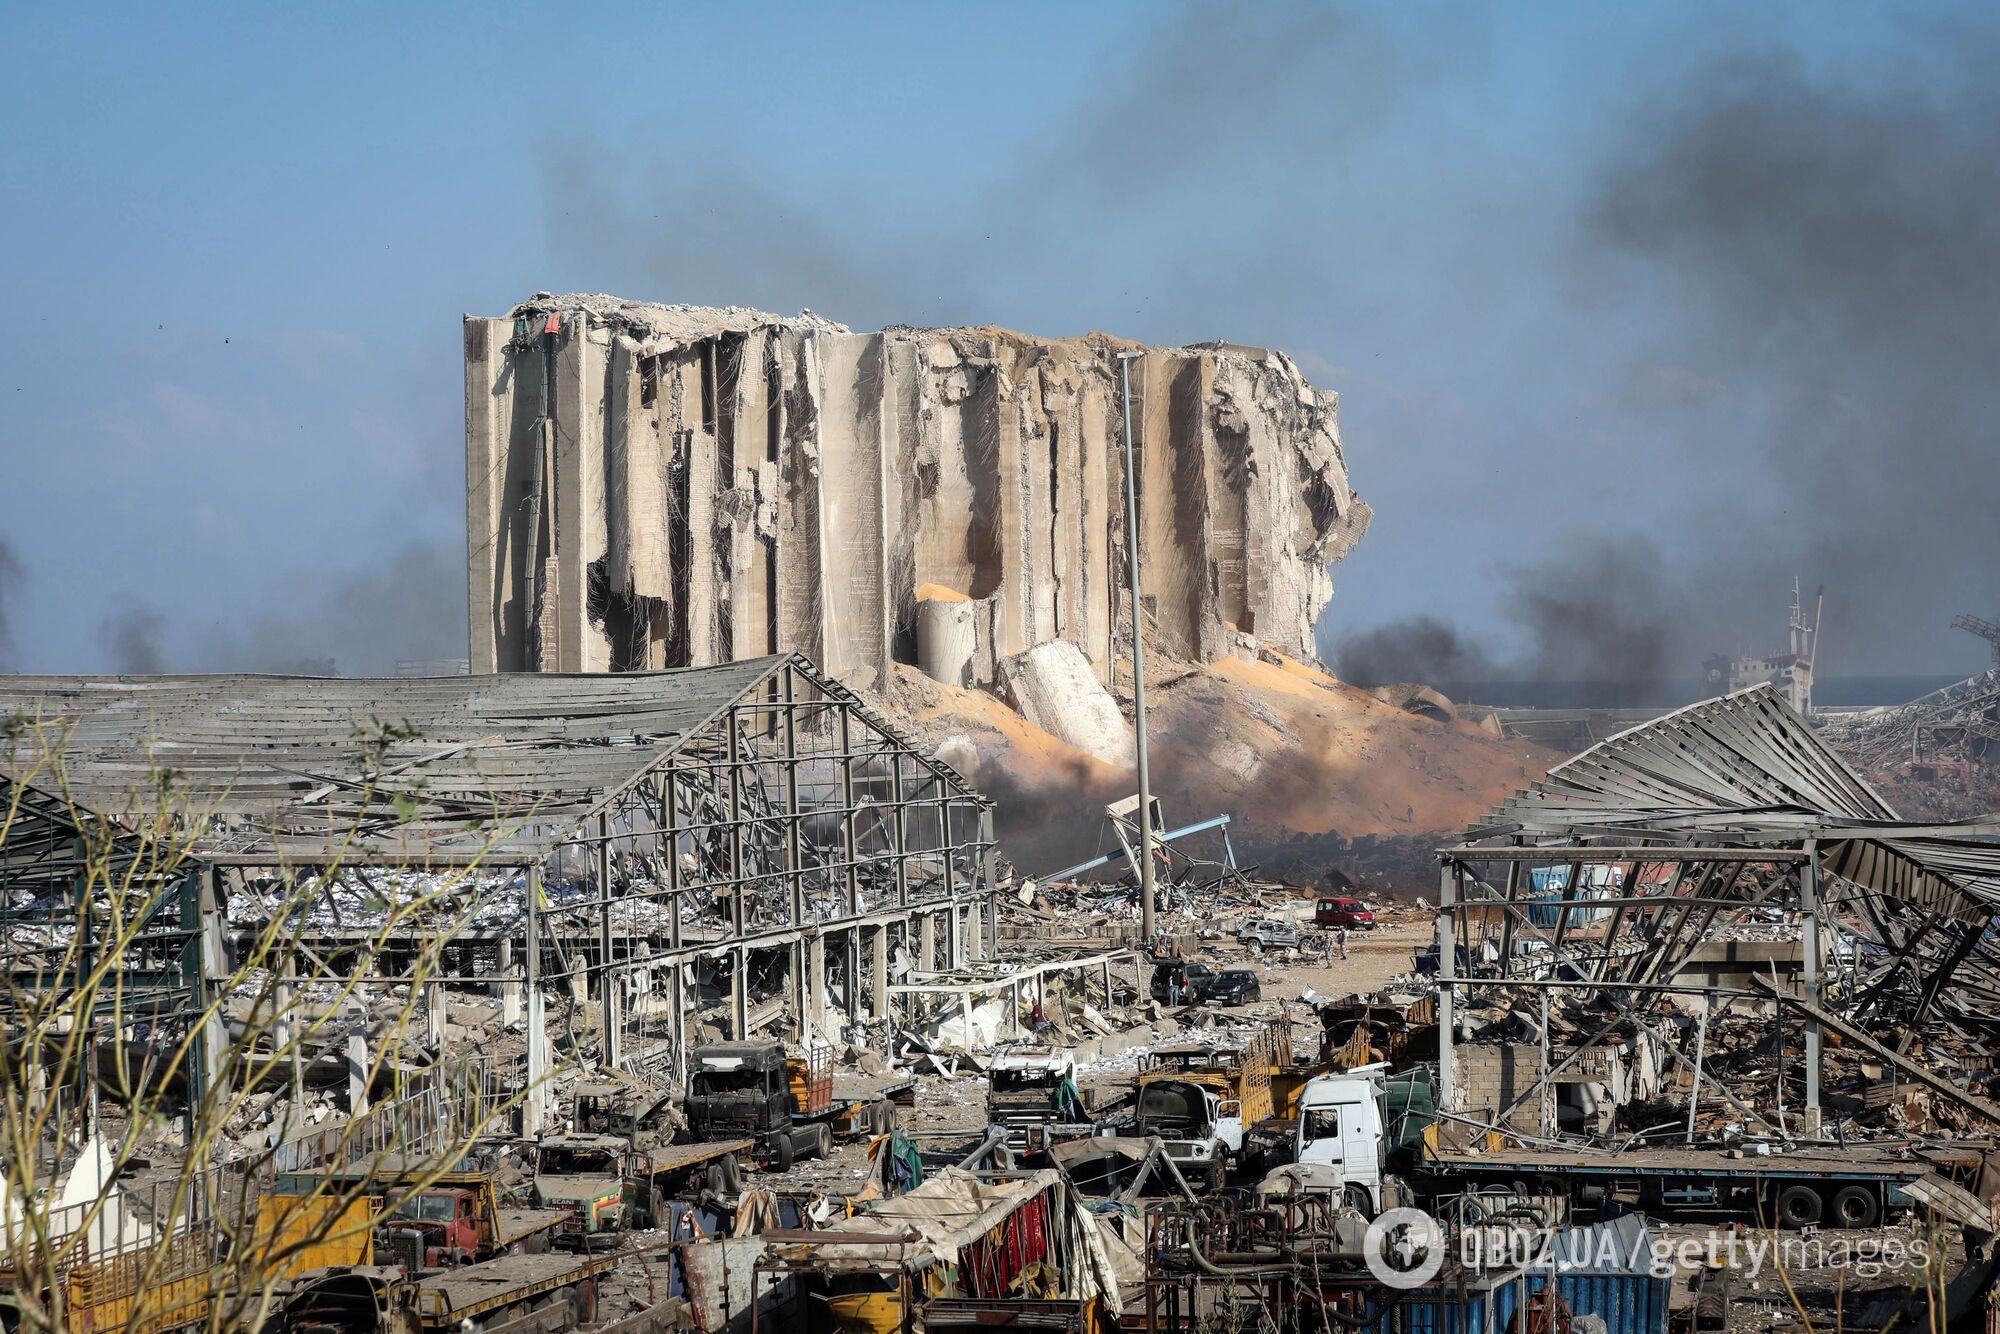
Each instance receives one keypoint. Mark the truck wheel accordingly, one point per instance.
(732, 1173)
(822, 1140)
(1855, 1206)
(885, 1117)
(1798, 1206)
(584, 1301)
(781, 1152)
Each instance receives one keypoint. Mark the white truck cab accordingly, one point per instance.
(1201, 1131)
(1341, 1125)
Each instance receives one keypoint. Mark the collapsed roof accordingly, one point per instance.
(1745, 770)
(431, 770)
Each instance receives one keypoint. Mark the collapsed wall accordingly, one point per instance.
(658, 486)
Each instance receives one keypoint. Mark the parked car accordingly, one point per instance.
(1271, 935)
(1233, 986)
(1350, 913)
(1188, 977)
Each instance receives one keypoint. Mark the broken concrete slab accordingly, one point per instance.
(1053, 687)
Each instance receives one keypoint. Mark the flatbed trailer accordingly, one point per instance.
(1851, 1187)
(364, 1299)
(667, 1173)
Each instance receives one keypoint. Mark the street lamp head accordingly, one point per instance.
(1132, 356)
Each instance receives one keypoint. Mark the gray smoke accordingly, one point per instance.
(361, 621)
(1419, 648)
(1595, 609)
(131, 634)
(1832, 250)
(11, 574)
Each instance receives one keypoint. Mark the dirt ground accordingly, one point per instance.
(1373, 957)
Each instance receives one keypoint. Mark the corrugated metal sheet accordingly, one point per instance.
(1603, 1271)
(506, 766)
(1748, 768)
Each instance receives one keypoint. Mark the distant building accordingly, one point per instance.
(1791, 671)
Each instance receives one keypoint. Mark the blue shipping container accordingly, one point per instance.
(1602, 1271)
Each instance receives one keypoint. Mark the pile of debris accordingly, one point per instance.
(1934, 756)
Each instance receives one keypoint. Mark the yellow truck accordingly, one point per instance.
(427, 1218)
(149, 1287)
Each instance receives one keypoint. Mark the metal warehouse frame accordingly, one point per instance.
(1729, 804)
(751, 812)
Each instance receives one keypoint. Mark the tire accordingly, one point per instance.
(1798, 1207)
(1855, 1206)
(781, 1152)
(583, 1301)
(822, 1140)
(732, 1173)
(1356, 1198)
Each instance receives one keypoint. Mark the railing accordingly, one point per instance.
(454, 1106)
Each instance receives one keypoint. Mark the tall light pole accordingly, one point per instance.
(1138, 664)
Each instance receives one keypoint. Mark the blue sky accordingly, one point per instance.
(242, 238)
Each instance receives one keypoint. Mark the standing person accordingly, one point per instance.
(1340, 935)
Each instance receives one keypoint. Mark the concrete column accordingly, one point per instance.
(510, 986)
(357, 1073)
(536, 1100)
(795, 978)
(534, 1112)
(613, 1049)
(927, 943)
(677, 1019)
(816, 979)
(434, 1015)
(878, 972)
(850, 958)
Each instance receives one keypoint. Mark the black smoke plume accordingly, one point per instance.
(1830, 250)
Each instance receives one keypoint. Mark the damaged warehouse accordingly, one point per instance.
(750, 824)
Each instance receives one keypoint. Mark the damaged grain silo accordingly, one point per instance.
(660, 486)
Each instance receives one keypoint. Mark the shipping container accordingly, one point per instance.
(1605, 1271)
